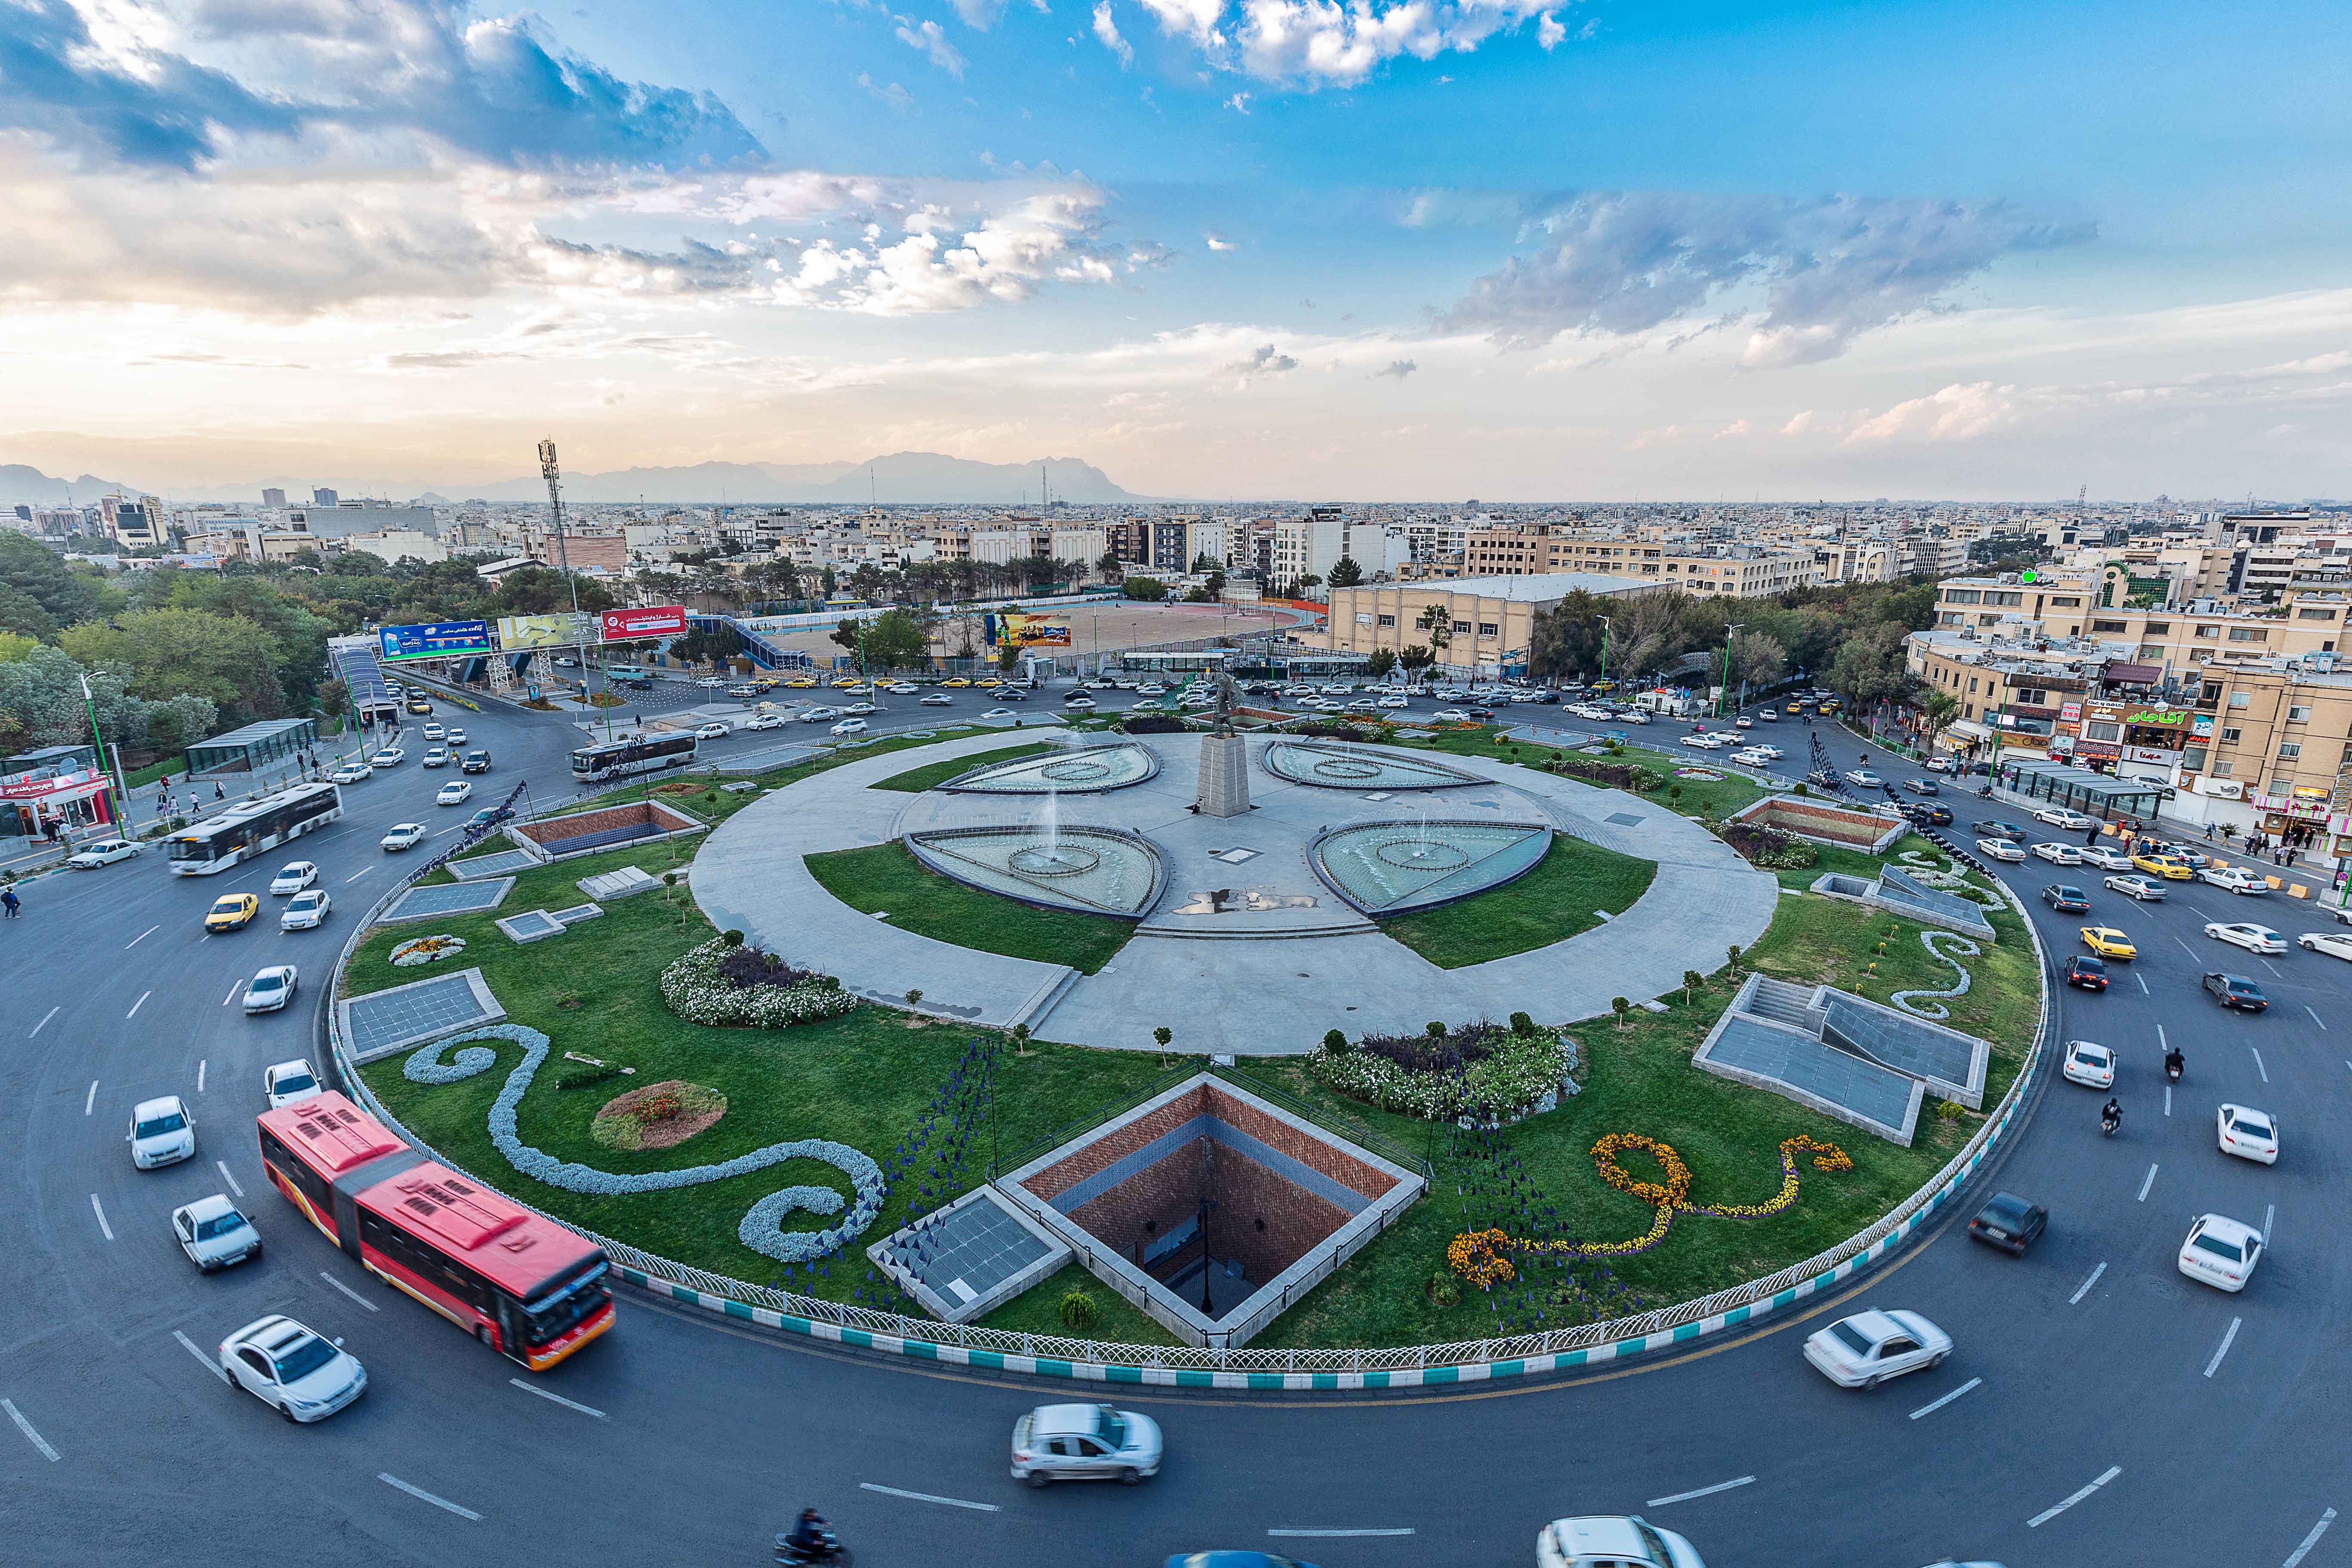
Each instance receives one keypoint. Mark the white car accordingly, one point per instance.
(161, 1133)
(2248, 1133)
(1865, 1350)
(937, 699)
(456, 792)
(1451, 716)
(2246, 934)
(1998, 849)
(105, 852)
(436, 733)
(438, 757)
(1085, 1442)
(2237, 879)
(290, 1083)
(766, 721)
(819, 714)
(710, 682)
(2089, 1063)
(904, 689)
(1621, 1540)
(993, 713)
(2221, 1252)
(1765, 749)
(351, 773)
(1750, 759)
(389, 757)
(296, 1372)
(293, 877)
(1079, 704)
(1635, 717)
(213, 1233)
(1745, 722)
(2334, 944)
(2146, 889)
(403, 835)
(456, 737)
(860, 710)
(2059, 854)
(271, 989)
(2061, 816)
(308, 910)
(849, 727)
(1151, 688)
(1863, 778)
(1705, 742)
(714, 731)
(2105, 856)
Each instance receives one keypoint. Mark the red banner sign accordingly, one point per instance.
(646, 621)
(26, 788)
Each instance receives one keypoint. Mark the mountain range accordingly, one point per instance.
(903, 479)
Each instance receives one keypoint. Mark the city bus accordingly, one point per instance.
(619, 759)
(255, 827)
(524, 1285)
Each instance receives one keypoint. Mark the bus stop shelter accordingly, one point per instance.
(273, 744)
(2092, 794)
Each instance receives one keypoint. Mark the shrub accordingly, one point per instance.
(1950, 1110)
(1443, 1290)
(746, 967)
(1334, 1040)
(1434, 1029)
(697, 991)
(581, 1078)
(1521, 1024)
(1613, 775)
(732, 939)
(1078, 1310)
(1480, 1064)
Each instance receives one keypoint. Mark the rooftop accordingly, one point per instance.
(1536, 588)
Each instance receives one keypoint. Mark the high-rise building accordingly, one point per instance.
(273, 498)
(324, 498)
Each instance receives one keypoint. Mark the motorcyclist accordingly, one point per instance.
(808, 1530)
(2174, 1062)
(2111, 1114)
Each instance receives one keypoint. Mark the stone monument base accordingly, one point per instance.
(1224, 776)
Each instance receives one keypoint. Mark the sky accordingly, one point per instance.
(1397, 249)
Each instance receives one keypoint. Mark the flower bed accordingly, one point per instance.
(699, 988)
(1507, 1074)
(426, 950)
(1767, 848)
(658, 1116)
(1610, 775)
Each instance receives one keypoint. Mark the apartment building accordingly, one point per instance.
(1474, 623)
(1310, 546)
(1176, 542)
(2269, 750)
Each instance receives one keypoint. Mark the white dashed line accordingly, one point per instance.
(2167, 1099)
(203, 1360)
(1302, 1533)
(1703, 1491)
(2148, 1183)
(229, 1176)
(1933, 1406)
(2314, 1016)
(53, 1012)
(142, 936)
(2085, 1287)
(357, 875)
(141, 1003)
(98, 1209)
(27, 1428)
(2223, 1349)
(200, 1076)
(929, 1497)
(2047, 1514)
(2258, 1064)
(2310, 1541)
(2270, 1213)
(347, 1291)
(233, 989)
(2143, 983)
(557, 1398)
(420, 1495)
(90, 1101)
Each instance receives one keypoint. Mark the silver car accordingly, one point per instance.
(213, 1233)
(1084, 1442)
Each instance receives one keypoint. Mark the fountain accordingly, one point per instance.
(1328, 764)
(1072, 767)
(1388, 867)
(1095, 870)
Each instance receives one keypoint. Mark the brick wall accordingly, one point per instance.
(1306, 1147)
(1247, 1194)
(1819, 821)
(580, 824)
(1114, 1146)
(1166, 1193)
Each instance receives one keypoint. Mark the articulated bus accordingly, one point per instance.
(524, 1285)
(618, 759)
(256, 827)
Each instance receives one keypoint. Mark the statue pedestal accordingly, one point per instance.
(1224, 776)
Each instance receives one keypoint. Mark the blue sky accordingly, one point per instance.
(1218, 247)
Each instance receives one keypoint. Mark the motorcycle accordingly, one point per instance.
(2172, 1065)
(828, 1550)
(2108, 1125)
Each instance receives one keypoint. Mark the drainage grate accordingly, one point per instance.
(384, 1021)
(1624, 819)
(448, 898)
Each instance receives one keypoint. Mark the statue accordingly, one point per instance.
(1226, 694)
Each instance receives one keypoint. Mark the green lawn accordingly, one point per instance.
(1719, 798)
(914, 781)
(1550, 903)
(1038, 1310)
(886, 877)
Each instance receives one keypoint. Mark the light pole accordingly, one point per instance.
(1727, 667)
(118, 799)
(1605, 629)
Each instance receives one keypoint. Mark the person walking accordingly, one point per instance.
(2091, 836)
(218, 791)
(2290, 854)
(11, 903)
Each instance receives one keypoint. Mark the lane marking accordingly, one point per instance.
(2047, 1514)
(557, 1398)
(420, 1495)
(142, 936)
(2085, 1287)
(347, 1291)
(230, 1177)
(90, 1100)
(234, 988)
(2161, 1039)
(141, 1003)
(200, 1076)
(2257, 1063)
(2143, 983)
(1703, 1491)
(1933, 1406)
(2187, 949)
(2310, 1541)
(2222, 1350)
(2148, 1183)
(2314, 1016)
(2167, 1099)
(356, 875)
(95, 1208)
(929, 1497)
(53, 1012)
(2270, 1213)
(27, 1428)
(208, 1362)
(1334, 1534)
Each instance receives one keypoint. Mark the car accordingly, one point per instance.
(2008, 830)
(2087, 972)
(2248, 1133)
(743, 691)
(1863, 778)
(2221, 1252)
(997, 714)
(766, 721)
(1998, 849)
(2065, 817)
(290, 1083)
(1934, 815)
(860, 710)
(456, 792)
(483, 818)
(993, 682)
(436, 733)
(2107, 856)
(2336, 944)
(1393, 703)
(1766, 749)
(230, 912)
(849, 727)
(2248, 935)
(271, 989)
(213, 1233)
(903, 689)
(456, 737)
(403, 835)
(2237, 879)
(2144, 888)
(2090, 1064)
(712, 683)
(352, 774)
(306, 912)
(2108, 943)
(389, 757)
(1085, 1442)
(1149, 688)
(937, 699)
(1450, 716)
(1867, 1349)
(1099, 684)
(161, 1133)
(714, 731)
(2236, 992)
(438, 757)
(103, 852)
(1923, 787)
(2009, 1223)
(1479, 715)
(1933, 764)
(477, 762)
(419, 705)
(1342, 689)
(1079, 701)
(2196, 859)
(2059, 854)
(1744, 723)
(301, 1375)
(1769, 715)
(957, 681)
(1704, 742)
(819, 714)
(2066, 898)
(1632, 715)
(1621, 1540)
(2163, 866)
(1007, 694)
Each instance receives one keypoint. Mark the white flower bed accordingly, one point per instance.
(757, 1230)
(697, 993)
(426, 950)
(1523, 1072)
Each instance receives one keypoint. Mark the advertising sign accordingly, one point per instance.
(2070, 712)
(643, 621)
(2201, 727)
(2156, 716)
(433, 640)
(1013, 630)
(517, 633)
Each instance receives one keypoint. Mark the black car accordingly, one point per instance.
(1479, 712)
(2008, 830)
(1007, 694)
(1923, 787)
(2089, 973)
(2009, 1223)
(2236, 991)
(476, 761)
(1934, 815)
(2066, 899)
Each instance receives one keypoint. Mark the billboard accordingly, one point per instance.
(517, 633)
(645, 621)
(1013, 630)
(433, 640)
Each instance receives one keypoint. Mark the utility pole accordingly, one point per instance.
(554, 474)
(1727, 667)
(117, 803)
(1604, 651)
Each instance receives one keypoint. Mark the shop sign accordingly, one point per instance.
(2166, 716)
(26, 788)
(2151, 754)
(2224, 789)
(643, 621)
(2098, 748)
(2071, 712)
(2201, 727)
(2103, 713)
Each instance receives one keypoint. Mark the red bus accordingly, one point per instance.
(524, 1285)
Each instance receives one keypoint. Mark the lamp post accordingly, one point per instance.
(1727, 667)
(117, 803)
(1605, 629)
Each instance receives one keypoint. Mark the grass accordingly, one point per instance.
(1038, 1310)
(931, 776)
(885, 877)
(1551, 903)
(1719, 798)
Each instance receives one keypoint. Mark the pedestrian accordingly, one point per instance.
(9, 901)
(219, 793)
(2290, 854)
(2091, 836)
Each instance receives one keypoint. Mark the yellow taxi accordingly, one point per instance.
(231, 911)
(989, 680)
(2108, 943)
(2164, 866)
(801, 683)
(956, 680)
(1796, 708)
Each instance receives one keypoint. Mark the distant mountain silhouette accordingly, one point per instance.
(19, 482)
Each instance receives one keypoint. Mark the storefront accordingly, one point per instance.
(55, 786)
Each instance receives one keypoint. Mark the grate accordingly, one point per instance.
(1624, 819)
(448, 898)
(498, 865)
(385, 1021)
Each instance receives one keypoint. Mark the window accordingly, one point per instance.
(1972, 685)
(2004, 598)
(2192, 759)
(2314, 615)
(2210, 633)
(2158, 629)
(1961, 595)
(1462, 626)
(2098, 732)
(2241, 700)
(2298, 712)
(2290, 750)
(1488, 629)
(2230, 733)
(2249, 633)
(1386, 620)
(2222, 770)
(2067, 601)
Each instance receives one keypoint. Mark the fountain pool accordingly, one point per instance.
(1336, 765)
(1388, 867)
(1097, 870)
(1065, 770)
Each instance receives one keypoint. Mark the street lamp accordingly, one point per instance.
(1727, 667)
(1605, 629)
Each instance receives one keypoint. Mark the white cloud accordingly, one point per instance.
(1954, 413)
(897, 99)
(1320, 43)
(979, 15)
(1219, 242)
(1550, 33)
(1107, 30)
(931, 40)
(1262, 361)
(1239, 103)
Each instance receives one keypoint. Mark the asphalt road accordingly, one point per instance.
(2177, 1419)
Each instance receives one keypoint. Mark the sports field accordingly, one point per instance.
(1112, 628)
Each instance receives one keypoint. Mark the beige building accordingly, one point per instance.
(2271, 750)
(1482, 621)
(1736, 571)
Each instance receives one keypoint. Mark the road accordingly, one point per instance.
(2099, 1408)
